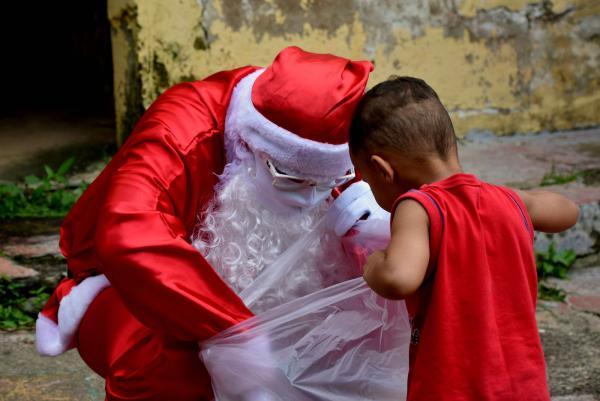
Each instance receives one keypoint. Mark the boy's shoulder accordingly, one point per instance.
(464, 182)
(466, 192)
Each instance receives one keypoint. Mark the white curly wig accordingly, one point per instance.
(241, 238)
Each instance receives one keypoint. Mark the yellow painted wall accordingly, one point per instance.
(499, 66)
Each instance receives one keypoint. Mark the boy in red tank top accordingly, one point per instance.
(461, 251)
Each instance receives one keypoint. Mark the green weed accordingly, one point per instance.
(553, 264)
(549, 293)
(19, 305)
(555, 178)
(48, 196)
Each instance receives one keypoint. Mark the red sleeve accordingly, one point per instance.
(516, 199)
(141, 237)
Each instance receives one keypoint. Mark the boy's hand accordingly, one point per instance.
(399, 271)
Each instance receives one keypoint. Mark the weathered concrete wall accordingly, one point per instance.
(501, 66)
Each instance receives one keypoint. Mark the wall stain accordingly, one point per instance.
(127, 23)
(508, 67)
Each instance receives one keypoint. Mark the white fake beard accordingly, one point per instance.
(240, 238)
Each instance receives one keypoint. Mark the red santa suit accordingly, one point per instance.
(131, 229)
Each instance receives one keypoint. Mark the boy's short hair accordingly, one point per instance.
(404, 114)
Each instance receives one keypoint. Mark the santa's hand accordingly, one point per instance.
(354, 204)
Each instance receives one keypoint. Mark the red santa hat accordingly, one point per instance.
(298, 111)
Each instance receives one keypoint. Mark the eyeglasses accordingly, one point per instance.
(287, 182)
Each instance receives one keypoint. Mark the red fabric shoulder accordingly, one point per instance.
(190, 109)
(182, 115)
(516, 199)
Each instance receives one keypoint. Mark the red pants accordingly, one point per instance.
(136, 362)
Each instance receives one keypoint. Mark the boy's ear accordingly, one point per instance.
(383, 168)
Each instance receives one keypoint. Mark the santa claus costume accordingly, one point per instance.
(241, 164)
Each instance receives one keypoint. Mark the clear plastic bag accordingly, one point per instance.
(342, 343)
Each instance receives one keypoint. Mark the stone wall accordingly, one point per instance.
(499, 66)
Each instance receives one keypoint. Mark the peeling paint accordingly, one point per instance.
(501, 66)
(128, 84)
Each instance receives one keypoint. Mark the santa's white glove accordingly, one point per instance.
(355, 203)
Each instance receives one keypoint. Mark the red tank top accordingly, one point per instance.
(474, 333)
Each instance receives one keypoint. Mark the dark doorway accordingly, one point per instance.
(57, 81)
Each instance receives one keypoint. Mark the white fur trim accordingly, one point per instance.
(296, 155)
(54, 339)
(47, 338)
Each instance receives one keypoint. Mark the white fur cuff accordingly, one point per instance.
(54, 339)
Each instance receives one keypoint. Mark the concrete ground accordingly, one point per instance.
(25, 376)
(570, 330)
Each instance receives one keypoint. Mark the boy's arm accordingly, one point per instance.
(549, 211)
(400, 270)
